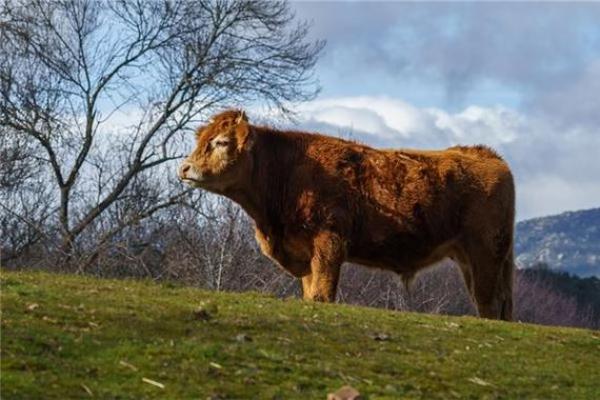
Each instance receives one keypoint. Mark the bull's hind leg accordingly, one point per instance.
(328, 254)
(460, 257)
(508, 267)
(492, 274)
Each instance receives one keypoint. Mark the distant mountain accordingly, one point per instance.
(569, 242)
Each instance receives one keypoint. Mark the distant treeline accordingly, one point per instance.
(586, 291)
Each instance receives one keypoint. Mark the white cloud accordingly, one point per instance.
(401, 123)
(388, 117)
(556, 169)
(360, 119)
(493, 126)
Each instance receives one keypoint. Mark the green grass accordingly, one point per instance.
(67, 336)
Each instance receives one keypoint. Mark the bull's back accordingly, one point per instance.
(415, 203)
(456, 174)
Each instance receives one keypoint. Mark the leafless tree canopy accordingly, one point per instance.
(97, 96)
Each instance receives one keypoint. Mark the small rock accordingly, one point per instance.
(345, 393)
(202, 314)
(380, 337)
(242, 337)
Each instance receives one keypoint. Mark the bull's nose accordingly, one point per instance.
(184, 168)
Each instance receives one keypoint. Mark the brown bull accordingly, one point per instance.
(319, 201)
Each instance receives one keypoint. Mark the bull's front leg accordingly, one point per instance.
(327, 258)
(306, 286)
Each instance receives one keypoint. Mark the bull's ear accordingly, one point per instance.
(241, 117)
(244, 135)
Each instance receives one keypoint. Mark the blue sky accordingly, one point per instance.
(523, 78)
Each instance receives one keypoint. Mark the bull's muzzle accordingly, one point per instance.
(188, 174)
(183, 170)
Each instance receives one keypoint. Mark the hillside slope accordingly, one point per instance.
(569, 241)
(73, 337)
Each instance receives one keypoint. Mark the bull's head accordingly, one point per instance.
(222, 152)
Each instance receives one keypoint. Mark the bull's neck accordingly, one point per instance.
(264, 194)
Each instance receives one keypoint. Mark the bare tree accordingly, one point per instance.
(25, 205)
(105, 91)
(25, 212)
(536, 301)
(220, 253)
(17, 162)
(437, 290)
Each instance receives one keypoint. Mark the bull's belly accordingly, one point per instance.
(399, 253)
(401, 258)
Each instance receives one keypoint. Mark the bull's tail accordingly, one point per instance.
(506, 285)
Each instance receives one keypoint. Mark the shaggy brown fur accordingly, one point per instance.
(319, 201)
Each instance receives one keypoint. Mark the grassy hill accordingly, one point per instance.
(75, 337)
